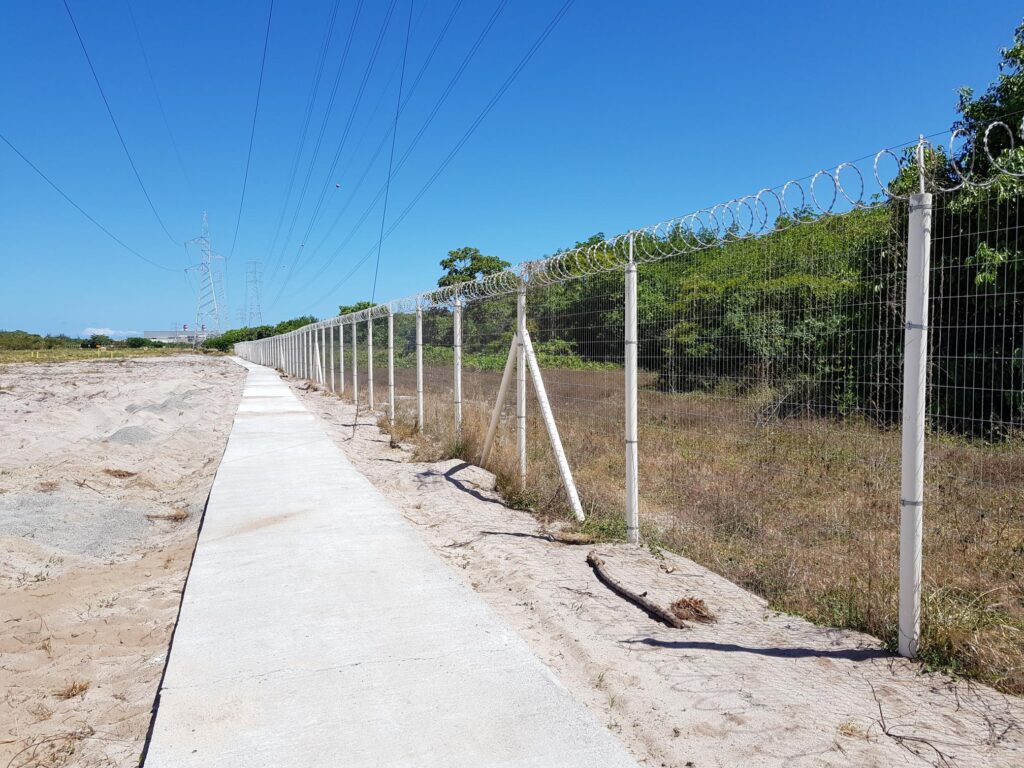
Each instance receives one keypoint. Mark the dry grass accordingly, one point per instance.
(176, 515)
(72, 689)
(73, 353)
(692, 609)
(803, 511)
(120, 474)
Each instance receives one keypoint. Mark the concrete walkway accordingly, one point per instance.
(317, 629)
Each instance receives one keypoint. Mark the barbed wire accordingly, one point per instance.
(828, 192)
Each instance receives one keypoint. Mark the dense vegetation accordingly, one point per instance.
(225, 341)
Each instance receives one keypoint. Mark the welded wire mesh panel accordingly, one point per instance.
(487, 328)
(577, 331)
(439, 374)
(974, 456)
(770, 374)
(405, 373)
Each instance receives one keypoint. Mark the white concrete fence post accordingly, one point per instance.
(521, 383)
(341, 356)
(419, 367)
(631, 431)
(369, 362)
(355, 367)
(391, 365)
(330, 344)
(457, 348)
(915, 362)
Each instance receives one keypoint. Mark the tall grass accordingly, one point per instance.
(803, 511)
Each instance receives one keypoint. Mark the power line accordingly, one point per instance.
(81, 210)
(462, 141)
(337, 154)
(252, 131)
(391, 160)
(320, 135)
(408, 150)
(117, 129)
(412, 145)
(310, 102)
(159, 101)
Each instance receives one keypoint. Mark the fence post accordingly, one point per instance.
(632, 463)
(457, 345)
(369, 362)
(419, 366)
(391, 365)
(355, 368)
(341, 355)
(521, 382)
(330, 344)
(915, 361)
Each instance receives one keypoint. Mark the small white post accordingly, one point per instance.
(341, 356)
(419, 367)
(521, 383)
(369, 362)
(330, 344)
(632, 464)
(506, 379)
(457, 345)
(355, 368)
(552, 428)
(391, 365)
(915, 362)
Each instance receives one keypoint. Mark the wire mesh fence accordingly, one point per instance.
(779, 424)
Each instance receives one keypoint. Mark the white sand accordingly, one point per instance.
(757, 688)
(91, 570)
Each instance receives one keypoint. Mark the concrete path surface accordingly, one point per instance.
(317, 629)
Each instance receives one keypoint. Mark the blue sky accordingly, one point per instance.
(629, 113)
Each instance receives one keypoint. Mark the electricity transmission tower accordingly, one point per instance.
(211, 304)
(252, 293)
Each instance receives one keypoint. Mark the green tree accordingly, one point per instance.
(467, 263)
(359, 306)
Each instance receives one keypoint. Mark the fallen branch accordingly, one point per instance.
(641, 601)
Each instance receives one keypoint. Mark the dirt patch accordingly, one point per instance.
(754, 687)
(93, 566)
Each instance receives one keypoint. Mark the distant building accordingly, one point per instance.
(184, 335)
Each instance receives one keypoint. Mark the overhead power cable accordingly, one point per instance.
(391, 160)
(320, 137)
(159, 101)
(310, 102)
(452, 82)
(252, 130)
(344, 137)
(405, 155)
(117, 129)
(461, 142)
(81, 210)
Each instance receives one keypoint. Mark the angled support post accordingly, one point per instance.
(499, 403)
(549, 423)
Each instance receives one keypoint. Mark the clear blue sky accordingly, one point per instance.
(630, 113)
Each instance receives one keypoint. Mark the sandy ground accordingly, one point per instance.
(755, 688)
(104, 471)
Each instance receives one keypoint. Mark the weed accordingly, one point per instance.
(72, 689)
